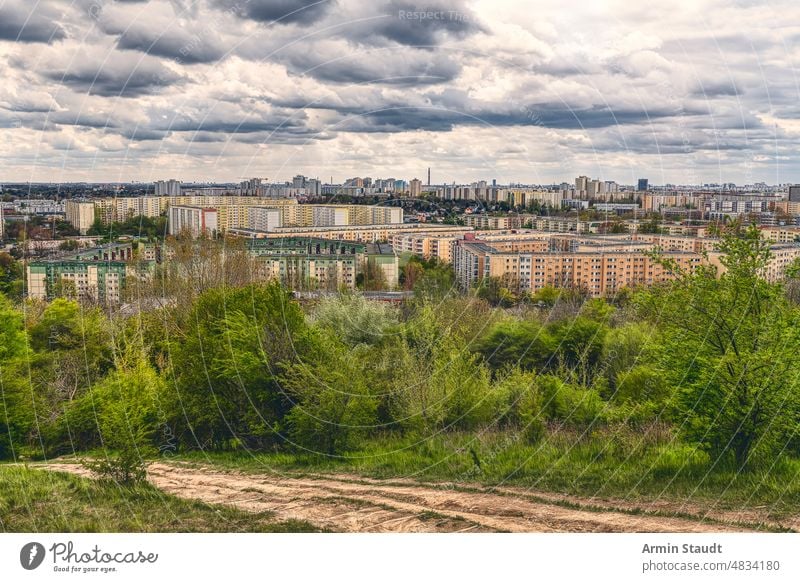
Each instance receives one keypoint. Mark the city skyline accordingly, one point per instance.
(215, 89)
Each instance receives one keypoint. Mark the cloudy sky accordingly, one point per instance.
(533, 91)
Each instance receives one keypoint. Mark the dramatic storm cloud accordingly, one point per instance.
(687, 91)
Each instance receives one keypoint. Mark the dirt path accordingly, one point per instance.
(352, 504)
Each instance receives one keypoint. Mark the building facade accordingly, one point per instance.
(80, 214)
(303, 263)
(98, 274)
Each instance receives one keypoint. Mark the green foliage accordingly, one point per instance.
(526, 344)
(11, 276)
(140, 226)
(333, 405)
(18, 402)
(227, 364)
(641, 384)
(547, 296)
(497, 292)
(570, 405)
(730, 346)
(372, 278)
(120, 413)
(625, 347)
(431, 280)
(573, 344)
(355, 320)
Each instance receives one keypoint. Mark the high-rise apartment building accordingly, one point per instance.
(264, 219)
(167, 188)
(193, 220)
(80, 214)
(415, 188)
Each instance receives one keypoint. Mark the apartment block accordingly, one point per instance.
(427, 245)
(97, 274)
(487, 222)
(600, 272)
(193, 220)
(119, 209)
(602, 265)
(303, 263)
(80, 214)
(363, 234)
(266, 219)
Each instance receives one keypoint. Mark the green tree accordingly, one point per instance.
(227, 361)
(730, 346)
(333, 405)
(526, 344)
(18, 401)
(372, 278)
(496, 292)
(356, 320)
(11, 276)
(72, 345)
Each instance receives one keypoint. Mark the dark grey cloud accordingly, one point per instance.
(179, 45)
(441, 116)
(405, 68)
(116, 77)
(84, 119)
(278, 11)
(222, 117)
(423, 23)
(28, 22)
(25, 104)
(137, 133)
(716, 88)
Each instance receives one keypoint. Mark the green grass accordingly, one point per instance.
(638, 466)
(34, 500)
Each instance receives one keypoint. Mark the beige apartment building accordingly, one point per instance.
(80, 214)
(119, 209)
(601, 272)
(600, 265)
(486, 222)
(233, 211)
(655, 202)
(781, 234)
(368, 233)
(426, 244)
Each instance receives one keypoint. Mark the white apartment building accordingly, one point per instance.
(194, 220)
(330, 216)
(80, 214)
(167, 188)
(264, 219)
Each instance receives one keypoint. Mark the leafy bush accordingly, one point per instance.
(568, 404)
(333, 405)
(355, 320)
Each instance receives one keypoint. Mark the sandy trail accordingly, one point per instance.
(352, 504)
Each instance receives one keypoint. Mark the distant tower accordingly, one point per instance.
(429, 176)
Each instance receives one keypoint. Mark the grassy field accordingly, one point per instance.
(34, 500)
(625, 465)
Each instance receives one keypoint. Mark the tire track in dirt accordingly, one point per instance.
(344, 503)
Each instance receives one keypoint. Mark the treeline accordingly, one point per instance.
(710, 360)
